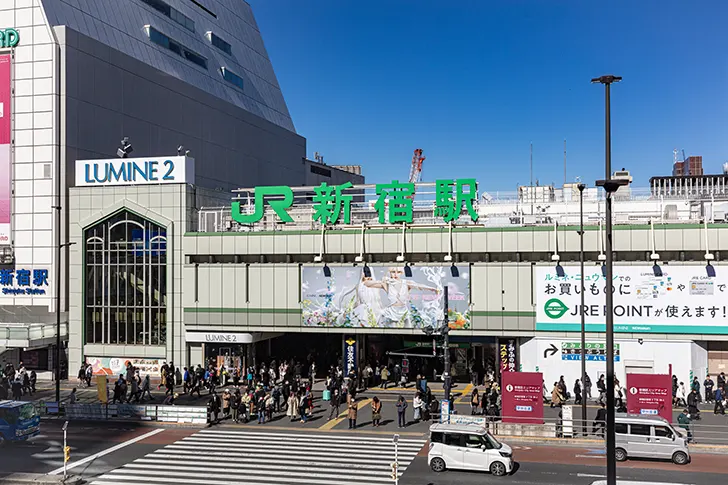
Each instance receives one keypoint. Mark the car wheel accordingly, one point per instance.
(620, 454)
(497, 468)
(437, 465)
(680, 458)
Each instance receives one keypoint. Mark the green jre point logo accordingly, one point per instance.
(555, 308)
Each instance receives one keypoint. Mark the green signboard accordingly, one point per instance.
(9, 38)
(393, 204)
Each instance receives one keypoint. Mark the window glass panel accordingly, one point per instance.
(620, 428)
(663, 432)
(125, 282)
(453, 439)
(473, 441)
(436, 438)
(640, 429)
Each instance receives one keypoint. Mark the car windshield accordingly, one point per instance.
(496, 444)
(27, 412)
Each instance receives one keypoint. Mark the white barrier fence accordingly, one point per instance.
(166, 414)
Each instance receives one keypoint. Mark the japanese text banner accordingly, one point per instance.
(683, 300)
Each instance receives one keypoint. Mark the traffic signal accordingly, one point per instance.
(394, 471)
(66, 454)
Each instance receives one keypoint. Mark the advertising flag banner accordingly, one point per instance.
(683, 300)
(102, 389)
(650, 394)
(385, 299)
(5, 146)
(522, 397)
(350, 363)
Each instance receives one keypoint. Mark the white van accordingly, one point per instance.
(640, 436)
(468, 447)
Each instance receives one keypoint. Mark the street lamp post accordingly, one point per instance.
(446, 337)
(610, 186)
(581, 188)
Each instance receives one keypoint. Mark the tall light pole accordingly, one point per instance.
(446, 337)
(581, 188)
(610, 186)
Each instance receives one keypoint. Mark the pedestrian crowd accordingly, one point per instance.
(16, 383)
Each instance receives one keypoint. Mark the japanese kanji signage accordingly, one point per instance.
(507, 354)
(595, 351)
(24, 281)
(650, 394)
(683, 300)
(394, 202)
(349, 355)
(522, 397)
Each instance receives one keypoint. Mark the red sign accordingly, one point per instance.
(5, 146)
(5, 95)
(522, 397)
(650, 395)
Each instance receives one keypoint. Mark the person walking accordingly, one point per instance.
(226, 397)
(577, 392)
(474, 402)
(335, 403)
(302, 409)
(684, 421)
(385, 377)
(681, 396)
(719, 408)
(600, 420)
(587, 387)
(401, 408)
(72, 397)
(146, 388)
(417, 407)
(214, 405)
(353, 410)
(708, 384)
(260, 407)
(695, 386)
(602, 387)
(235, 405)
(376, 411)
(557, 398)
(292, 407)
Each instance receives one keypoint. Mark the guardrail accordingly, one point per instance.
(130, 412)
(705, 434)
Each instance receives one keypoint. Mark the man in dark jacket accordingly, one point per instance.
(708, 385)
(335, 403)
(693, 400)
(719, 396)
(214, 405)
(600, 420)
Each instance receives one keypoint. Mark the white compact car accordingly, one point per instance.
(468, 447)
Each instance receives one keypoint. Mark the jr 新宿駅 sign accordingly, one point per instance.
(394, 204)
(9, 38)
(135, 171)
(683, 300)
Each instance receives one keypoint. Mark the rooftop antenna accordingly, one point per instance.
(530, 188)
(564, 161)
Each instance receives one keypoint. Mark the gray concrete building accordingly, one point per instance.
(167, 74)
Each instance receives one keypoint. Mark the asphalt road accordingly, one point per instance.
(132, 453)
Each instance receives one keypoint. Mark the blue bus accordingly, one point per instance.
(18, 421)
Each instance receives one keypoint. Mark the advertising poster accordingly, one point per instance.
(5, 146)
(386, 299)
(507, 355)
(102, 389)
(650, 394)
(683, 300)
(522, 397)
(113, 366)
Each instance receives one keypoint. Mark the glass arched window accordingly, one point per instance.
(125, 289)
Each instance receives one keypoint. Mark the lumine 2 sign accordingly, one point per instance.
(9, 38)
(394, 202)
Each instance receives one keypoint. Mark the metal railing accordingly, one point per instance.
(30, 332)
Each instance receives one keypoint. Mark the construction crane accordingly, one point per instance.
(416, 168)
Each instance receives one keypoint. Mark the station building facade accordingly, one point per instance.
(367, 290)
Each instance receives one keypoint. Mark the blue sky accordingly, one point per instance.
(473, 82)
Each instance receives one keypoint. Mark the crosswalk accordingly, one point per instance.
(212, 457)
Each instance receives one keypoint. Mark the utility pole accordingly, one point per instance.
(581, 188)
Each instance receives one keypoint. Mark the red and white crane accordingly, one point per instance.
(416, 168)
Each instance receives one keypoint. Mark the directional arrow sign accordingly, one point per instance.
(551, 350)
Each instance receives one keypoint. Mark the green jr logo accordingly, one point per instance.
(555, 308)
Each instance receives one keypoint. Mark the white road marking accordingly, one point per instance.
(75, 464)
